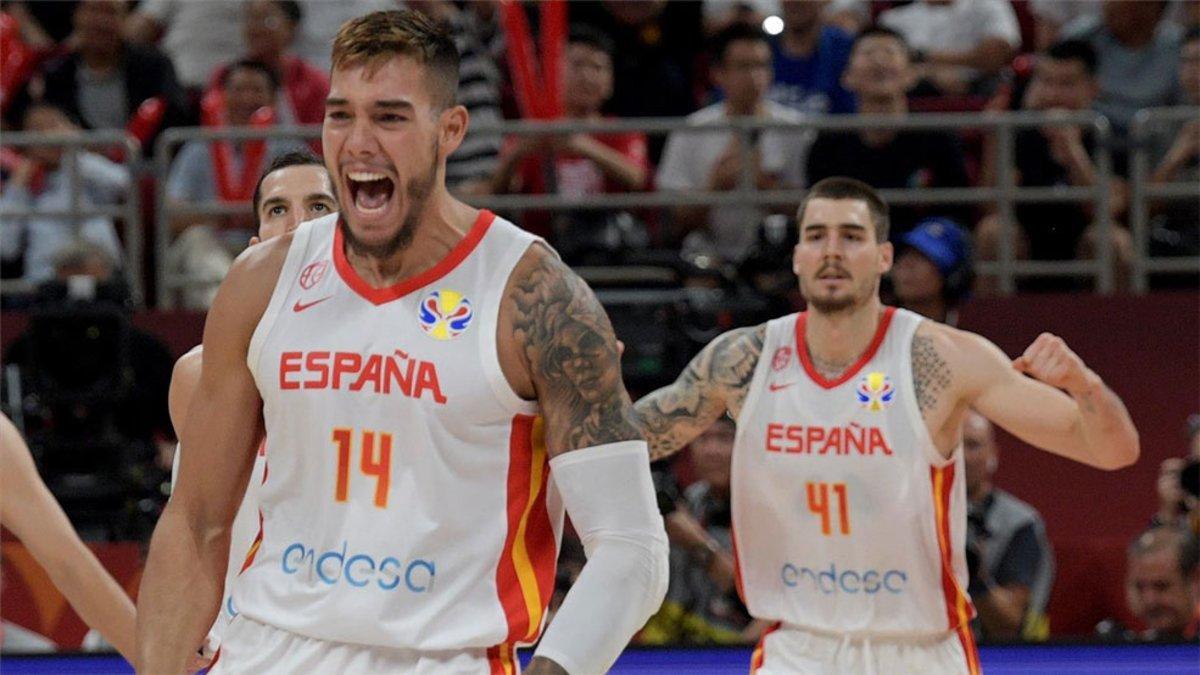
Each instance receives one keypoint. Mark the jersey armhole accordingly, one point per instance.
(291, 264)
(489, 326)
(915, 419)
(755, 384)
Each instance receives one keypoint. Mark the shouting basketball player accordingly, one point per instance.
(397, 357)
(295, 187)
(849, 507)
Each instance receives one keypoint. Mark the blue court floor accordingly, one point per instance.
(1039, 660)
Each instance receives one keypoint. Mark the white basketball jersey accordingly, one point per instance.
(408, 503)
(846, 518)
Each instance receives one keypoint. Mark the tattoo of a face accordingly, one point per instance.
(931, 374)
(715, 381)
(569, 344)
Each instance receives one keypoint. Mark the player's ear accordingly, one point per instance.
(796, 260)
(453, 124)
(254, 240)
(886, 255)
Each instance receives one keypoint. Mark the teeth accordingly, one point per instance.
(365, 176)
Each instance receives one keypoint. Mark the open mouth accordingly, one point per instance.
(369, 191)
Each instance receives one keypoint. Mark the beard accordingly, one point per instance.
(860, 293)
(416, 192)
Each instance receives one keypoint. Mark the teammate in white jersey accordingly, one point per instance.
(295, 187)
(404, 359)
(849, 506)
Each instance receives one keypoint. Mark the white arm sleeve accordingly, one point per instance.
(608, 492)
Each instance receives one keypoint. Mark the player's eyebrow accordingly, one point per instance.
(394, 104)
(272, 201)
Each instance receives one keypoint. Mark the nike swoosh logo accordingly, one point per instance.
(776, 387)
(301, 306)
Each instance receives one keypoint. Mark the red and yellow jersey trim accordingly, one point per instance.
(525, 573)
(958, 607)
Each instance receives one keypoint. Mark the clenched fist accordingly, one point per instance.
(1050, 360)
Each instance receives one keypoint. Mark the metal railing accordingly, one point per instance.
(129, 212)
(165, 209)
(1142, 192)
(1006, 194)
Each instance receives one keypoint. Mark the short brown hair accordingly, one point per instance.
(841, 187)
(374, 39)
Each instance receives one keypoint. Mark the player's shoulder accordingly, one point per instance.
(540, 272)
(251, 279)
(265, 258)
(742, 340)
(188, 365)
(949, 341)
(968, 359)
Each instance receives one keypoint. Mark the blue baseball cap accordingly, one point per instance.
(942, 241)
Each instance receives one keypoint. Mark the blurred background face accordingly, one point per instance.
(980, 456)
(712, 452)
(292, 195)
(802, 16)
(1189, 70)
(247, 90)
(44, 119)
(838, 259)
(744, 73)
(1126, 19)
(635, 13)
(915, 277)
(1157, 591)
(95, 267)
(268, 30)
(98, 23)
(587, 78)
(879, 67)
(1061, 85)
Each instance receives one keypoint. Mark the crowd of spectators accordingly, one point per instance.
(149, 65)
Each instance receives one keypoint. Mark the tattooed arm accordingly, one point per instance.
(566, 350)
(713, 383)
(569, 353)
(1047, 397)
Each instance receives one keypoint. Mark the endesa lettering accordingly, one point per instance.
(358, 569)
(376, 373)
(813, 440)
(833, 581)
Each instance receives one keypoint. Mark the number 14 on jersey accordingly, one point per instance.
(375, 450)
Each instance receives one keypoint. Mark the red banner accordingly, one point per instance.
(538, 86)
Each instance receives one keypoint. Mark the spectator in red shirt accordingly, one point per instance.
(582, 164)
(270, 27)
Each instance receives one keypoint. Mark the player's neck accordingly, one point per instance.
(443, 224)
(836, 340)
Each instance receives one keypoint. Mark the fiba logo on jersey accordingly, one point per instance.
(875, 391)
(444, 314)
(313, 274)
